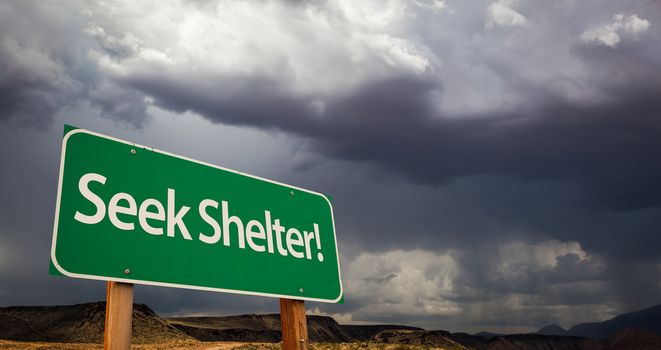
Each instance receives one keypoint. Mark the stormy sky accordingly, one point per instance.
(494, 165)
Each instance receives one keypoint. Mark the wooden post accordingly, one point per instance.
(294, 325)
(119, 314)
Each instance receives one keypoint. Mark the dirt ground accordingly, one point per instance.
(16, 345)
(183, 345)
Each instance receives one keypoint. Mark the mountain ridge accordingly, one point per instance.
(83, 323)
(647, 319)
(80, 323)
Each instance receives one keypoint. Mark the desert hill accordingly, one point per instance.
(624, 340)
(648, 319)
(266, 328)
(81, 323)
(263, 328)
(552, 329)
(436, 339)
(630, 339)
(540, 341)
(366, 332)
(488, 335)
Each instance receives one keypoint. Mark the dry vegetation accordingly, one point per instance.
(192, 345)
(340, 346)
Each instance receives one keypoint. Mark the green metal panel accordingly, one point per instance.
(112, 241)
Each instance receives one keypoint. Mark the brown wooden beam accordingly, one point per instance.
(294, 325)
(119, 314)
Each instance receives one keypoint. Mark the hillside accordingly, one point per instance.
(83, 324)
(436, 339)
(646, 319)
(539, 341)
(365, 332)
(266, 328)
(80, 323)
(552, 329)
(630, 339)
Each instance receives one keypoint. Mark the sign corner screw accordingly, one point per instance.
(291, 192)
(301, 290)
(132, 151)
(127, 271)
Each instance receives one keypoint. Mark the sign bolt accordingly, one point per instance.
(127, 271)
(133, 151)
(301, 290)
(291, 192)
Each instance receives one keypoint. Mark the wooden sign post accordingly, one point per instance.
(119, 315)
(294, 325)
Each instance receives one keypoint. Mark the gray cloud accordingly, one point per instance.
(597, 130)
(47, 68)
(509, 285)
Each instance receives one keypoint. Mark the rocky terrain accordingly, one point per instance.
(81, 327)
(623, 340)
(440, 339)
(266, 328)
(81, 323)
(630, 339)
(366, 332)
(646, 319)
(539, 341)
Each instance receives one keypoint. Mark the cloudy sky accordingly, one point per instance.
(494, 165)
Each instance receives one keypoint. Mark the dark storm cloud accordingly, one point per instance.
(608, 145)
(45, 67)
(612, 150)
(609, 148)
(33, 84)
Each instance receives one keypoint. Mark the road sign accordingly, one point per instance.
(134, 214)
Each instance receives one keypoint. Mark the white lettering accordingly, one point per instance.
(209, 220)
(269, 232)
(144, 214)
(90, 196)
(227, 220)
(278, 236)
(294, 242)
(114, 208)
(308, 237)
(259, 234)
(176, 220)
(251, 234)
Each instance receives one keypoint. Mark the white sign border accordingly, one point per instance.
(175, 285)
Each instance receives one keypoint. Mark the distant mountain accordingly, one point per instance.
(257, 328)
(623, 340)
(435, 339)
(552, 329)
(646, 319)
(81, 323)
(366, 332)
(266, 328)
(488, 335)
(540, 341)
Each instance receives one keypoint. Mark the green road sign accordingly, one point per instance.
(130, 213)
